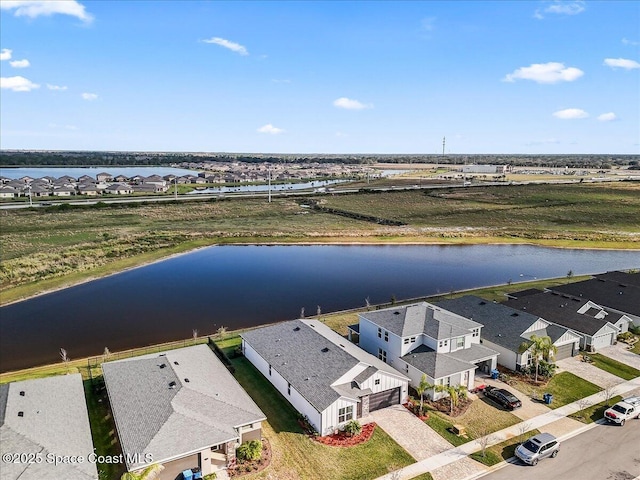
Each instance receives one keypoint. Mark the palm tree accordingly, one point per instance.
(149, 473)
(455, 392)
(422, 387)
(539, 348)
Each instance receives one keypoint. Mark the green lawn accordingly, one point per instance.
(296, 455)
(614, 367)
(502, 451)
(565, 388)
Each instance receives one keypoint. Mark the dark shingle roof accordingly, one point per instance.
(421, 318)
(621, 277)
(190, 404)
(502, 325)
(560, 310)
(616, 295)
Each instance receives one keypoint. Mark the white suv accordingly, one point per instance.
(540, 446)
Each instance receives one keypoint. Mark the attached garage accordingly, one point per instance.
(602, 341)
(565, 351)
(384, 399)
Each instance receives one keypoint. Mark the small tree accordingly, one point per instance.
(318, 311)
(194, 333)
(608, 392)
(222, 331)
(249, 451)
(569, 275)
(353, 428)
(422, 387)
(540, 348)
(484, 437)
(65, 358)
(106, 354)
(302, 312)
(149, 473)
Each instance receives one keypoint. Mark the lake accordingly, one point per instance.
(243, 286)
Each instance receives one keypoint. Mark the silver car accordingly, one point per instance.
(539, 446)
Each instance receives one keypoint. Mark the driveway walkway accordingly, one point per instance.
(529, 408)
(620, 353)
(588, 371)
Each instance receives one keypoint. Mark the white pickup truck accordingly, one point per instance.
(623, 410)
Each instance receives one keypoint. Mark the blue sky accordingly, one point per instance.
(524, 77)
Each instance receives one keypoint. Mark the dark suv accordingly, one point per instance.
(503, 397)
(540, 446)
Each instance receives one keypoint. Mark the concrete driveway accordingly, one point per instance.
(620, 353)
(588, 371)
(529, 409)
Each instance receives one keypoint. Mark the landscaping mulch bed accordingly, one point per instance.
(415, 409)
(444, 405)
(255, 466)
(342, 439)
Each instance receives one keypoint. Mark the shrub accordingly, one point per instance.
(211, 476)
(353, 428)
(251, 450)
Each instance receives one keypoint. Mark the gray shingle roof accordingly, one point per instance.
(54, 421)
(624, 297)
(435, 365)
(311, 357)
(419, 318)
(559, 310)
(191, 403)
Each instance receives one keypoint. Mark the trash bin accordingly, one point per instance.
(187, 475)
(547, 397)
(495, 374)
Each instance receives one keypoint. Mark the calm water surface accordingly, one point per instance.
(242, 286)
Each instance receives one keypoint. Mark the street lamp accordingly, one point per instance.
(30, 198)
(175, 191)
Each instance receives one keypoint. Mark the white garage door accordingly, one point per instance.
(602, 341)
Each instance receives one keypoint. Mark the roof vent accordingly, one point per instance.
(325, 350)
(483, 303)
(278, 354)
(22, 393)
(396, 313)
(172, 384)
(21, 414)
(514, 314)
(342, 346)
(176, 363)
(297, 329)
(162, 365)
(186, 380)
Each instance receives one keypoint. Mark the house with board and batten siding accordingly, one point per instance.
(321, 374)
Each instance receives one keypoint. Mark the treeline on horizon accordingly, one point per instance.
(29, 158)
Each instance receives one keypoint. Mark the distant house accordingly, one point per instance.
(119, 189)
(117, 178)
(106, 177)
(505, 330)
(325, 377)
(422, 338)
(597, 327)
(65, 191)
(616, 292)
(38, 191)
(185, 179)
(42, 417)
(86, 179)
(9, 192)
(182, 409)
(155, 180)
(88, 189)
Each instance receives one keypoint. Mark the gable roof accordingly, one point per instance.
(560, 310)
(312, 357)
(187, 405)
(620, 296)
(421, 318)
(46, 416)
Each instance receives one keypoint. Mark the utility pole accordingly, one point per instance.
(444, 139)
(269, 183)
(175, 191)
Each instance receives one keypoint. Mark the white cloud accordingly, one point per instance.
(89, 96)
(570, 114)
(20, 63)
(5, 54)
(626, 41)
(236, 47)
(36, 8)
(56, 87)
(552, 72)
(607, 117)
(18, 84)
(621, 63)
(560, 7)
(349, 104)
(270, 129)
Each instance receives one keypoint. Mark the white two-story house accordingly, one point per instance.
(422, 339)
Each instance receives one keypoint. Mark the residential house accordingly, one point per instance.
(41, 418)
(9, 192)
(88, 189)
(117, 178)
(119, 189)
(616, 292)
(422, 338)
(64, 191)
(107, 177)
(86, 179)
(156, 180)
(182, 409)
(597, 327)
(37, 191)
(506, 330)
(322, 375)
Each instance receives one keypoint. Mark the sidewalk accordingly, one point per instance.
(459, 453)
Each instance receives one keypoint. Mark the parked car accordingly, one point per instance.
(539, 446)
(503, 397)
(621, 411)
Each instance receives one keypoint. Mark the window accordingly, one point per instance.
(413, 339)
(460, 342)
(289, 388)
(406, 367)
(376, 381)
(382, 355)
(443, 343)
(406, 341)
(269, 370)
(476, 332)
(379, 332)
(345, 414)
(386, 336)
(447, 381)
